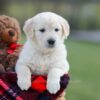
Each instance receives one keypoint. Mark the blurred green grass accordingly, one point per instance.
(84, 59)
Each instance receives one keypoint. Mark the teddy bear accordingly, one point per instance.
(9, 48)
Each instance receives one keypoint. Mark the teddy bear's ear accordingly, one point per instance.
(28, 28)
(65, 28)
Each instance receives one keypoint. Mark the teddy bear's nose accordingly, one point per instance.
(11, 33)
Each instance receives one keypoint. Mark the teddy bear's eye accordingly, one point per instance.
(42, 30)
(56, 29)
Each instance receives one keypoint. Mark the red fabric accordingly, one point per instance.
(12, 47)
(39, 84)
(1, 90)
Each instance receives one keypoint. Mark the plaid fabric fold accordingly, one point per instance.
(10, 91)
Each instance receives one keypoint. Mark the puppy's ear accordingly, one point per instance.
(28, 28)
(65, 28)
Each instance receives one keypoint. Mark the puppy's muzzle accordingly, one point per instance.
(51, 42)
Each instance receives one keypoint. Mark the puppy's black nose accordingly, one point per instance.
(51, 42)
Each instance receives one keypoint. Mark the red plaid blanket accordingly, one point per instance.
(10, 91)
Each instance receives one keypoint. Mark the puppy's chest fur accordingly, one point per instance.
(41, 64)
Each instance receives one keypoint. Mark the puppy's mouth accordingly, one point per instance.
(51, 46)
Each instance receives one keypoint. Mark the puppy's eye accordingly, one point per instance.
(56, 29)
(42, 30)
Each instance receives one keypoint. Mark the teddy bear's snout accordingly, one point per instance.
(11, 33)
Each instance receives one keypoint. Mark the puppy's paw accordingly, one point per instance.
(24, 84)
(53, 86)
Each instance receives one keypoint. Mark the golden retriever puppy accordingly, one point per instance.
(44, 52)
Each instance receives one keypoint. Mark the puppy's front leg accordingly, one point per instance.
(53, 81)
(24, 76)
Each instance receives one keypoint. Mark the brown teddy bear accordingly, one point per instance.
(9, 49)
